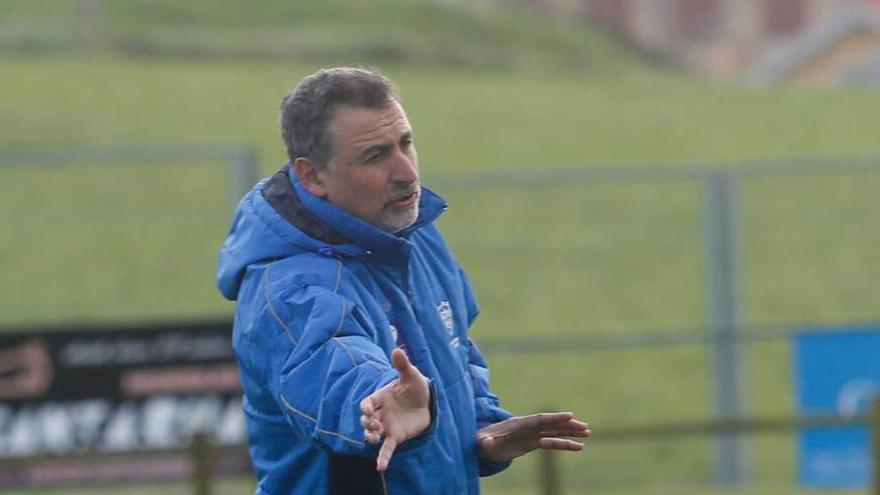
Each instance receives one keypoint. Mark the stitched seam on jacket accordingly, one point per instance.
(319, 430)
(341, 320)
(345, 348)
(338, 276)
(271, 308)
(476, 384)
(378, 366)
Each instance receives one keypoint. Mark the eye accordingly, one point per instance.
(374, 156)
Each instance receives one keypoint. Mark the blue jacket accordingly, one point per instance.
(323, 299)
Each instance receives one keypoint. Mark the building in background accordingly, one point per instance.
(769, 41)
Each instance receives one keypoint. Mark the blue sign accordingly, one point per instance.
(837, 371)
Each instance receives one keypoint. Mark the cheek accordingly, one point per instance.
(369, 191)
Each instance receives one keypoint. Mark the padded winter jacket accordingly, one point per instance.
(323, 299)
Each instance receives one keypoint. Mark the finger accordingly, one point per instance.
(560, 444)
(546, 418)
(371, 424)
(574, 423)
(372, 437)
(367, 406)
(565, 430)
(565, 433)
(403, 366)
(385, 454)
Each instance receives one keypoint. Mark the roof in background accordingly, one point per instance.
(782, 61)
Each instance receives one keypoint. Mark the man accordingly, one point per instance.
(351, 327)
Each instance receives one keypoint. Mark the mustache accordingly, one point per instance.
(401, 192)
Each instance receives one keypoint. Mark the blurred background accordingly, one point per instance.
(662, 205)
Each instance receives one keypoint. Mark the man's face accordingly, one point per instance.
(373, 172)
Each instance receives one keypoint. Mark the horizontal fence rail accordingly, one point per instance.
(550, 482)
(786, 424)
(242, 160)
(655, 173)
(608, 341)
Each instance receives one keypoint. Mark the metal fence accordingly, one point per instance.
(720, 204)
(241, 160)
(723, 224)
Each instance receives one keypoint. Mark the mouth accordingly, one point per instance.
(405, 201)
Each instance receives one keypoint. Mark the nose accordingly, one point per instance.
(405, 168)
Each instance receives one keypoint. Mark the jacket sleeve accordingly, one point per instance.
(488, 408)
(323, 363)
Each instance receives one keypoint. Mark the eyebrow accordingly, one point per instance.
(382, 147)
(377, 148)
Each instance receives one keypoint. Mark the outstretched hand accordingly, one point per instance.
(398, 411)
(520, 435)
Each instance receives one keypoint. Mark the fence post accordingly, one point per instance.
(722, 237)
(875, 442)
(201, 457)
(548, 472)
(92, 24)
(243, 174)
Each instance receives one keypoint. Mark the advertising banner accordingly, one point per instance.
(80, 391)
(837, 371)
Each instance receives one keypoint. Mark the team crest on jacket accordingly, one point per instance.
(444, 309)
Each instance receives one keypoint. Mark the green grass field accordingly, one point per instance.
(112, 243)
(108, 243)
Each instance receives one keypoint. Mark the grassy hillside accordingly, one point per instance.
(420, 32)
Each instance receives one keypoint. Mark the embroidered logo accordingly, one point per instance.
(444, 309)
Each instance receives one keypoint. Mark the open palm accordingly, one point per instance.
(520, 435)
(398, 411)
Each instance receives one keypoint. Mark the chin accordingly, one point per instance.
(403, 220)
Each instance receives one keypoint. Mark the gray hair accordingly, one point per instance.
(306, 109)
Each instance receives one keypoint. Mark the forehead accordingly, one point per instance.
(358, 127)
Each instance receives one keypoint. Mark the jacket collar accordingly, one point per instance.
(330, 224)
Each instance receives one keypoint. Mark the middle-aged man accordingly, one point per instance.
(352, 324)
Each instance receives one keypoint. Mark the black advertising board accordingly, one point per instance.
(70, 393)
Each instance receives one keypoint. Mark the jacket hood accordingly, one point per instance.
(280, 218)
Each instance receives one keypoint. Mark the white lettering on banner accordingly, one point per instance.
(106, 351)
(230, 429)
(21, 435)
(58, 427)
(100, 425)
(158, 423)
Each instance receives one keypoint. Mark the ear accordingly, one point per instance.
(310, 176)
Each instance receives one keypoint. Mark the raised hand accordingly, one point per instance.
(398, 411)
(520, 435)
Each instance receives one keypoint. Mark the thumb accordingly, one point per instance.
(407, 371)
